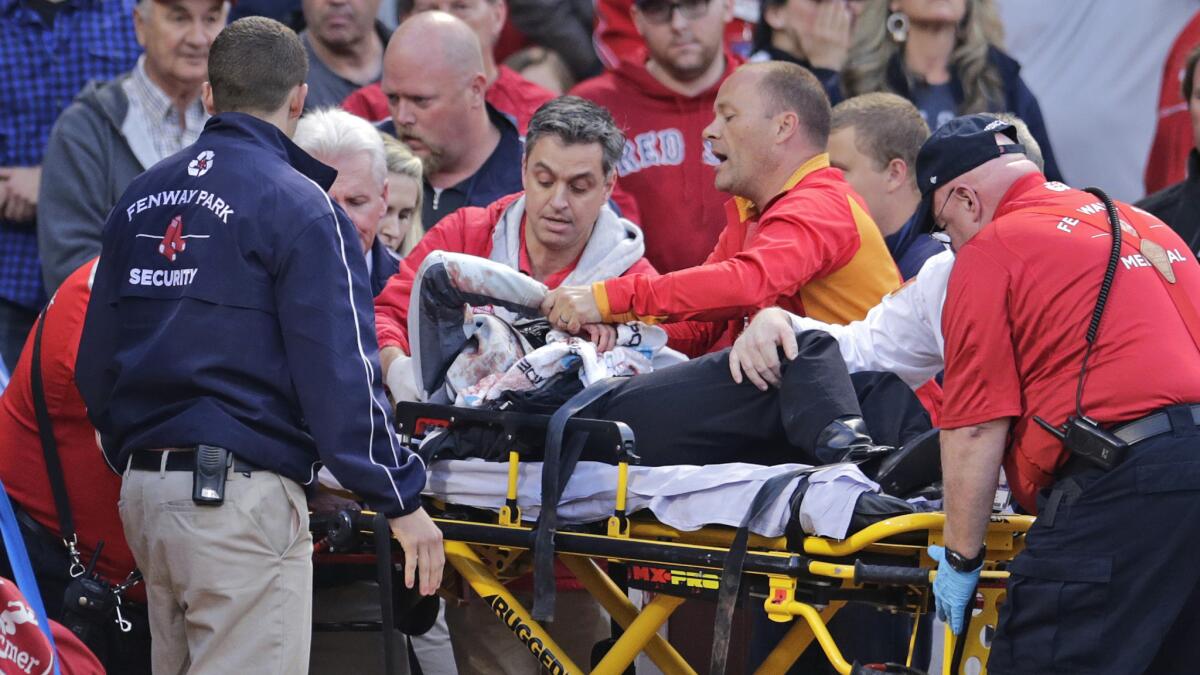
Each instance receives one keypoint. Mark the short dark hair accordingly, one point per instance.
(886, 127)
(790, 87)
(574, 121)
(1189, 74)
(253, 64)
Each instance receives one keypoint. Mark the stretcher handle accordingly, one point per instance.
(890, 575)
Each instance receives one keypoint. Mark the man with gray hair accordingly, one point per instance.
(351, 145)
(117, 129)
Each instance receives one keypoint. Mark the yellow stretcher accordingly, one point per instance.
(885, 564)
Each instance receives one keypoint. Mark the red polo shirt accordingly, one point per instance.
(1017, 310)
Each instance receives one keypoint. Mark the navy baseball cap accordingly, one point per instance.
(955, 148)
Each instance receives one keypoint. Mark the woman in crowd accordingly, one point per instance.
(400, 229)
(944, 56)
(816, 34)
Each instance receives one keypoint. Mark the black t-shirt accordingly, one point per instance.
(500, 175)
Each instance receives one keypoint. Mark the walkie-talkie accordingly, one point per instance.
(208, 480)
(1081, 434)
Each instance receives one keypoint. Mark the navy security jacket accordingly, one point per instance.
(231, 307)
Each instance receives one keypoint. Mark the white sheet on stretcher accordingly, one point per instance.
(683, 497)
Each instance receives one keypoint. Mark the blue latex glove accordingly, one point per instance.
(953, 591)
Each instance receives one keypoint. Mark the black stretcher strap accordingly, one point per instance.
(54, 472)
(731, 574)
(382, 534)
(557, 467)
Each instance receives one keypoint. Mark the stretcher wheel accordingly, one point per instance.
(600, 650)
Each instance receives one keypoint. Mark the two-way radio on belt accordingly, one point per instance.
(1081, 434)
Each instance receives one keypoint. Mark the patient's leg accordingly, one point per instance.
(694, 413)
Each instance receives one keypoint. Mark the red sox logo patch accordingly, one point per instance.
(173, 242)
(202, 163)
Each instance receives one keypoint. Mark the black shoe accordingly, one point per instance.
(914, 466)
(846, 440)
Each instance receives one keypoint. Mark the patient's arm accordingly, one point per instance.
(903, 333)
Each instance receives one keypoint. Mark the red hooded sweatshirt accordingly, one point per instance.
(666, 166)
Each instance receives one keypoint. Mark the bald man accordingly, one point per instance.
(433, 77)
(511, 93)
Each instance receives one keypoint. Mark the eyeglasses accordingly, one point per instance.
(661, 11)
(938, 225)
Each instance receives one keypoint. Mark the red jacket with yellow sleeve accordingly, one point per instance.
(813, 250)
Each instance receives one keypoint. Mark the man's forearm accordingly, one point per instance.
(971, 458)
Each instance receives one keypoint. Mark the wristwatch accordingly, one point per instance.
(963, 564)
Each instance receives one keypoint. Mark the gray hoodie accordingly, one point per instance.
(87, 166)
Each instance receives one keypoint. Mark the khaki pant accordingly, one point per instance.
(229, 587)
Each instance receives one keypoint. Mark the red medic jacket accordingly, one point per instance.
(813, 250)
(468, 230)
(666, 165)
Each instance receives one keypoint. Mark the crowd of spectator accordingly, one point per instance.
(426, 109)
(118, 83)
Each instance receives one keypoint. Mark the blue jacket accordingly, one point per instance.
(231, 307)
(384, 264)
(910, 248)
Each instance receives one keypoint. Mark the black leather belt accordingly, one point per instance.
(180, 459)
(1150, 426)
(33, 525)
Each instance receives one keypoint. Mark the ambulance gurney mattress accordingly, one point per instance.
(829, 501)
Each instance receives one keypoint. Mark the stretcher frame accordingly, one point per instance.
(810, 585)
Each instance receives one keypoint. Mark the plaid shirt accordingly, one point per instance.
(159, 117)
(42, 68)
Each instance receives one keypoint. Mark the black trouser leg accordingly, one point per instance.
(694, 413)
(1107, 586)
(815, 389)
(893, 413)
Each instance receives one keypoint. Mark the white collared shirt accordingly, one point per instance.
(903, 333)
